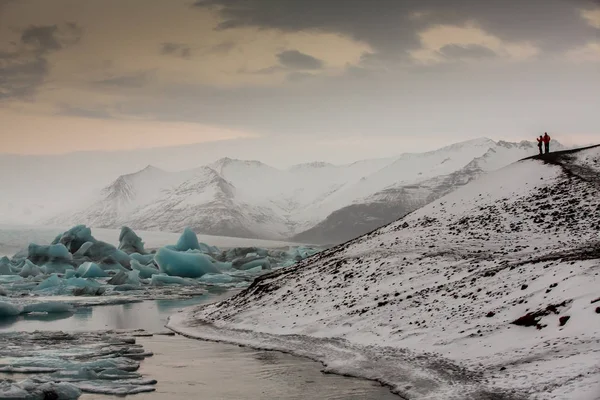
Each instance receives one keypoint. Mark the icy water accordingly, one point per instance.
(191, 369)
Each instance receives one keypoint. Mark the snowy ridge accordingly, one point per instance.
(488, 292)
(313, 203)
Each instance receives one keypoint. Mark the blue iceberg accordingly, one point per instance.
(130, 242)
(187, 265)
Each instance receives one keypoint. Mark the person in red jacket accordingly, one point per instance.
(546, 139)
(540, 141)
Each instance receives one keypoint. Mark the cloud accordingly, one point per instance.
(297, 60)
(74, 111)
(456, 51)
(442, 41)
(24, 66)
(393, 25)
(134, 80)
(51, 37)
(589, 52)
(592, 17)
(222, 48)
(21, 74)
(176, 49)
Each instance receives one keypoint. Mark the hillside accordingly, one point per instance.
(311, 203)
(490, 292)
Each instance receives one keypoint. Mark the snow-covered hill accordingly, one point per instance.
(314, 202)
(490, 292)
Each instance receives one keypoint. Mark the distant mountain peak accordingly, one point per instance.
(311, 165)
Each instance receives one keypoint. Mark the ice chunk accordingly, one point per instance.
(9, 310)
(50, 390)
(70, 274)
(5, 266)
(107, 253)
(75, 237)
(218, 279)
(162, 280)
(52, 253)
(143, 259)
(83, 249)
(130, 242)
(56, 267)
(51, 307)
(187, 265)
(81, 282)
(91, 270)
(52, 282)
(12, 391)
(251, 262)
(30, 269)
(146, 271)
(187, 241)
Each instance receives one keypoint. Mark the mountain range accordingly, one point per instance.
(316, 202)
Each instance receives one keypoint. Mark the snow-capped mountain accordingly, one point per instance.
(313, 202)
(490, 292)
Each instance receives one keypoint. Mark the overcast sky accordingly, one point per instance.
(368, 77)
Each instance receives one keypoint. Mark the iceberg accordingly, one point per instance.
(143, 259)
(163, 280)
(130, 242)
(246, 264)
(187, 265)
(43, 254)
(52, 282)
(8, 310)
(30, 269)
(75, 237)
(187, 241)
(146, 271)
(91, 270)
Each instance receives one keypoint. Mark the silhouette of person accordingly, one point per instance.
(540, 141)
(547, 142)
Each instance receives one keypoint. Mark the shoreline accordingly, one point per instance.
(405, 373)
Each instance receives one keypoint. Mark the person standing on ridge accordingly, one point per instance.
(547, 139)
(540, 141)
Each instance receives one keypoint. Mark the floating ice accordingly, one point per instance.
(50, 307)
(143, 259)
(91, 270)
(78, 264)
(130, 242)
(187, 265)
(146, 271)
(163, 280)
(244, 265)
(9, 310)
(43, 254)
(67, 365)
(5, 266)
(30, 269)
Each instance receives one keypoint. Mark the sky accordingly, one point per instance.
(368, 78)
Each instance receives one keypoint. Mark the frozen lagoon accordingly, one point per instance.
(184, 368)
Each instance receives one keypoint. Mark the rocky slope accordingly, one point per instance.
(490, 292)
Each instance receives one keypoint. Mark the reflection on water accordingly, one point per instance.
(149, 315)
(191, 369)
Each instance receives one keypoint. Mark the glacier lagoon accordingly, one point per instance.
(91, 305)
